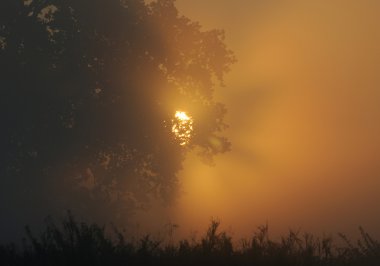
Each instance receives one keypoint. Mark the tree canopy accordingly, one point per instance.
(89, 90)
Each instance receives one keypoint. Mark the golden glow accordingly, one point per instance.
(182, 116)
(182, 127)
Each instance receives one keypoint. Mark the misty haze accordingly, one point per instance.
(189, 132)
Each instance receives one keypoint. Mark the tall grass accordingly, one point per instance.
(75, 243)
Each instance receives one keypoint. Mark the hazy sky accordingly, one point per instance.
(304, 110)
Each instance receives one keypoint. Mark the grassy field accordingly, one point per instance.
(74, 243)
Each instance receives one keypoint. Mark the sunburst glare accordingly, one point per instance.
(182, 127)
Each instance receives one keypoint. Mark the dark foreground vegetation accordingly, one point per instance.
(74, 243)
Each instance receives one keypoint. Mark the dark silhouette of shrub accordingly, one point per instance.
(75, 243)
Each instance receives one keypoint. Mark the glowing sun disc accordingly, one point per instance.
(182, 127)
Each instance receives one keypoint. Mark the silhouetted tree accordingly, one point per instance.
(88, 93)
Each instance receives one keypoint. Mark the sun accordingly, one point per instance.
(182, 127)
(182, 116)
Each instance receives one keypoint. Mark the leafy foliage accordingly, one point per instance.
(88, 90)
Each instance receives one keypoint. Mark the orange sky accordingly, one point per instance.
(304, 110)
